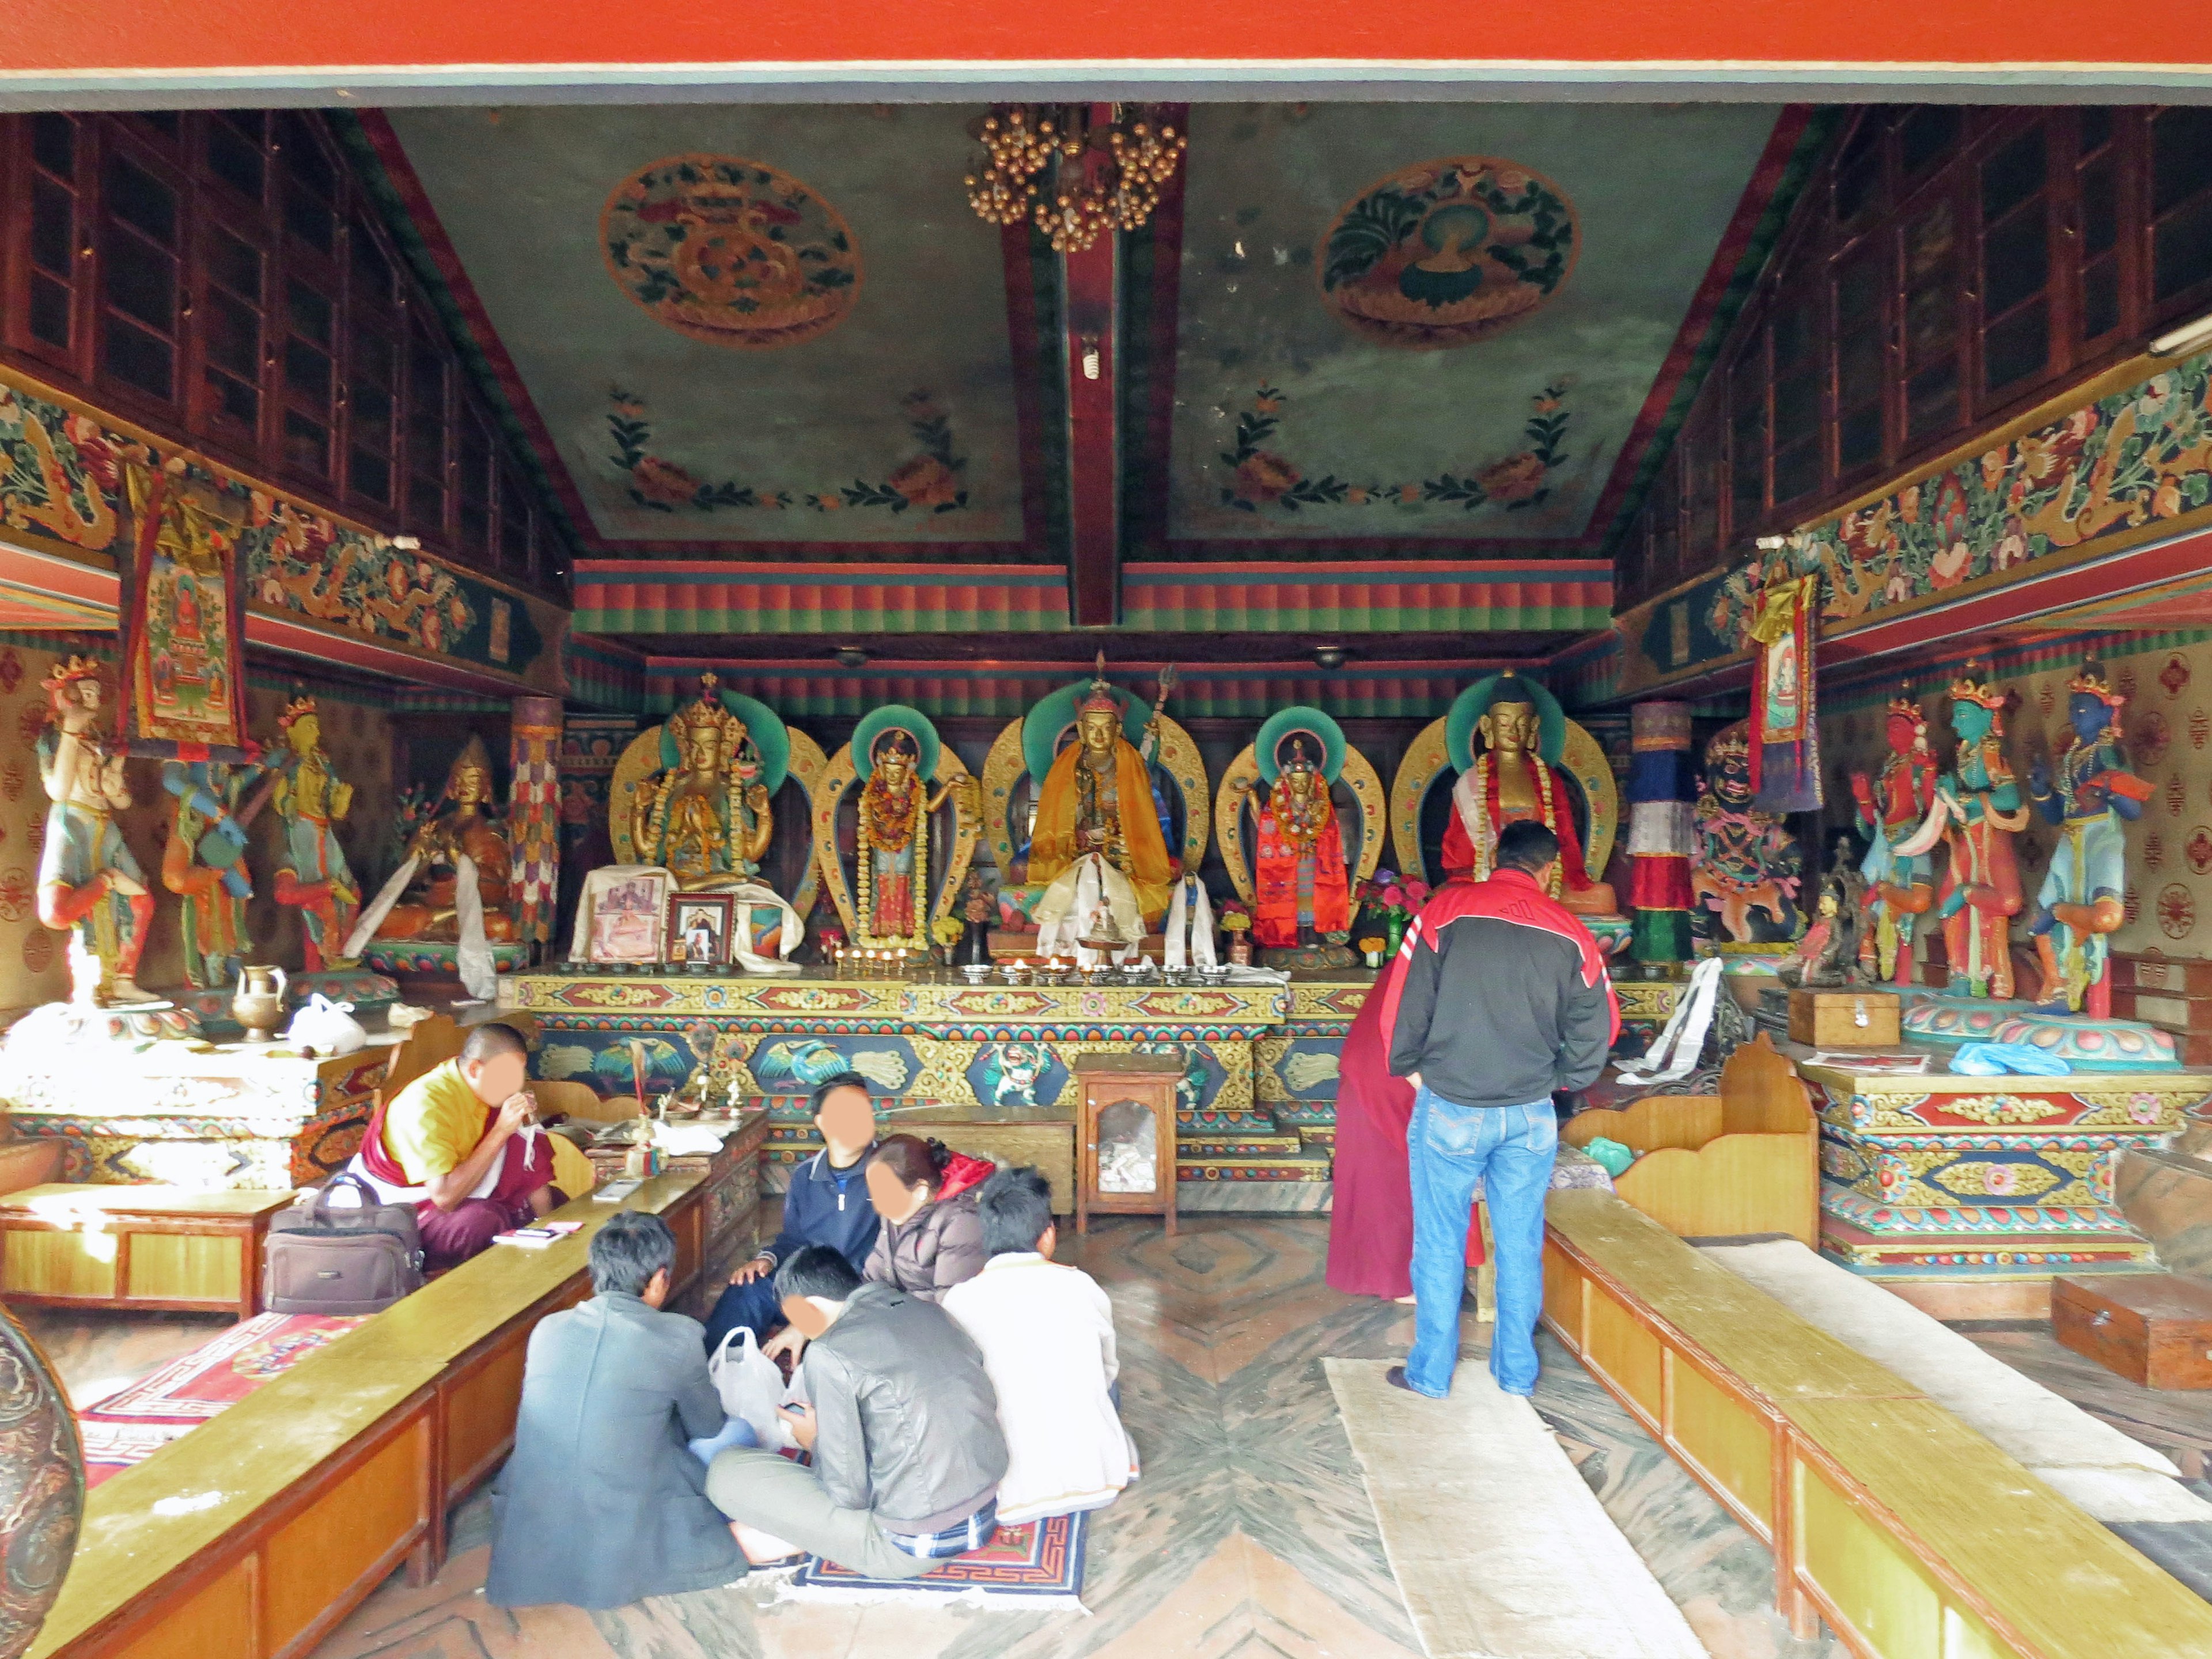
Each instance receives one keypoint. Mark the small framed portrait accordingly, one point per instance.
(629, 919)
(699, 929)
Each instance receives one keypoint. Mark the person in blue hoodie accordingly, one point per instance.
(828, 1204)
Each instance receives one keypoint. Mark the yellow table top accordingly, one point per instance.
(233, 1464)
(60, 1200)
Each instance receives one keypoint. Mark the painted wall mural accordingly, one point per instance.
(1448, 251)
(1402, 282)
(61, 475)
(2138, 457)
(730, 251)
(734, 356)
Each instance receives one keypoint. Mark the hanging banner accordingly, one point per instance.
(1785, 758)
(183, 680)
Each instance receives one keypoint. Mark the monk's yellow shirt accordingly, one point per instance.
(437, 1120)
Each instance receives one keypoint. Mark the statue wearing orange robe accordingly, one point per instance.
(1098, 798)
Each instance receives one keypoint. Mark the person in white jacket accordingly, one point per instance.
(1047, 1334)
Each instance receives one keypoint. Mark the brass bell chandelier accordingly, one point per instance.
(1039, 164)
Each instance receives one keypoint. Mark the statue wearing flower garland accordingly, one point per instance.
(896, 803)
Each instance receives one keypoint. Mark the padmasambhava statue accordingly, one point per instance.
(1097, 799)
(89, 881)
(311, 873)
(458, 826)
(1510, 781)
(707, 817)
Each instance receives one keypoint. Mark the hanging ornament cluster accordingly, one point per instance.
(1086, 197)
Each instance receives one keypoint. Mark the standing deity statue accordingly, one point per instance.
(896, 803)
(458, 828)
(2082, 894)
(1097, 799)
(1511, 780)
(89, 881)
(1301, 887)
(707, 816)
(1747, 868)
(1900, 886)
(311, 873)
(1981, 803)
(204, 864)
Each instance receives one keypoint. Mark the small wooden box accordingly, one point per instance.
(2152, 1328)
(1124, 1098)
(1844, 1019)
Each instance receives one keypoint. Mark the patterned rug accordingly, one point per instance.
(129, 1427)
(1035, 1565)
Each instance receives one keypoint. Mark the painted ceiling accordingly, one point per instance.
(777, 332)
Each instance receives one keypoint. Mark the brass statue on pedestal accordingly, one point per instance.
(707, 816)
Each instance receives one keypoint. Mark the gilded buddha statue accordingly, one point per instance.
(1097, 799)
(707, 817)
(460, 826)
(1511, 780)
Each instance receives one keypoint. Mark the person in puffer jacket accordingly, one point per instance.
(931, 1237)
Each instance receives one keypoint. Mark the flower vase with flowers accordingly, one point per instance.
(1393, 903)
(948, 932)
(1237, 922)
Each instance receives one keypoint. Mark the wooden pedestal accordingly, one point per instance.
(1116, 1093)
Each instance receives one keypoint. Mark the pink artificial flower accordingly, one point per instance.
(1395, 898)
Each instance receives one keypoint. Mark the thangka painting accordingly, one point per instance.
(184, 683)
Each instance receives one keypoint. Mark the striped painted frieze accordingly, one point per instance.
(688, 596)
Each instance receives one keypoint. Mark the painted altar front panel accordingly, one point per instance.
(231, 1118)
(1936, 1176)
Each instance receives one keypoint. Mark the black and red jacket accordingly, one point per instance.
(1504, 998)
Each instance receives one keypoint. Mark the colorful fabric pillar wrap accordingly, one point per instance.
(534, 815)
(1662, 830)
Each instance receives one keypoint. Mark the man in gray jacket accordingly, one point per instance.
(902, 1423)
(611, 1390)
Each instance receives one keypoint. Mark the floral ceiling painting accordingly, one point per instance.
(757, 324)
(1434, 321)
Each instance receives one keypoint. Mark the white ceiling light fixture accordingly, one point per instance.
(2179, 342)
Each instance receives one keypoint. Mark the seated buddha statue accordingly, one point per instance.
(1098, 798)
(459, 825)
(1510, 781)
(707, 817)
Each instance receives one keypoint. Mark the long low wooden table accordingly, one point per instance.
(1911, 1534)
(79, 1246)
(253, 1535)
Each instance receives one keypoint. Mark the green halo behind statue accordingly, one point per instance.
(1472, 704)
(763, 729)
(1052, 714)
(894, 717)
(1284, 723)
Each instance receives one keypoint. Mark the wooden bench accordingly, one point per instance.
(253, 1535)
(1910, 1534)
(80, 1246)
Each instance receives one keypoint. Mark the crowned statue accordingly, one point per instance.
(1513, 779)
(896, 755)
(1096, 809)
(1977, 811)
(707, 816)
(311, 873)
(1301, 886)
(1892, 806)
(204, 865)
(2082, 898)
(89, 883)
(1747, 868)
(457, 848)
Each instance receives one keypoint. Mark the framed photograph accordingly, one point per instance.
(699, 929)
(628, 920)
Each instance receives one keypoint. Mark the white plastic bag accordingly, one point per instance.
(751, 1387)
(327, 1027)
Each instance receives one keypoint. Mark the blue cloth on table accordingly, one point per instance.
(1997, 1059)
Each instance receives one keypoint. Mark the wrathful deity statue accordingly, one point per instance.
(1301, 887)
(457, 848)
(1977, 811)
(90, 884)
(706, 816)
(1097, 799)
(1747, 868)
(1512, 780)
(311, 873)
(204, 864)
(1900, 886)
(2080, 899)
(900, 749)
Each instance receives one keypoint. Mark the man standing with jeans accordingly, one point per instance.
(1504, 999)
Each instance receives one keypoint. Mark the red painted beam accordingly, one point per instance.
(1091, 358)
(157, 36)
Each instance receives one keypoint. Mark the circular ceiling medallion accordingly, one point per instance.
(1448, 251)
(730, 251)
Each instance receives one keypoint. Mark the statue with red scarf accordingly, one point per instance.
(1513, 777)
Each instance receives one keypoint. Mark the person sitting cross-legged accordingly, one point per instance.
(828, 1204)
(902, 1424)
(1047, 1334)
(611, 1390)
(460, 1143)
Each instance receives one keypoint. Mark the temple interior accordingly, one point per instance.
(1020, 605)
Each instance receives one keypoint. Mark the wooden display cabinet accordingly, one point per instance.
(1127, 1101)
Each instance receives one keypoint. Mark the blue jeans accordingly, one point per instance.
(1509, 1150)
(736, 1431)
(753, 1304)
